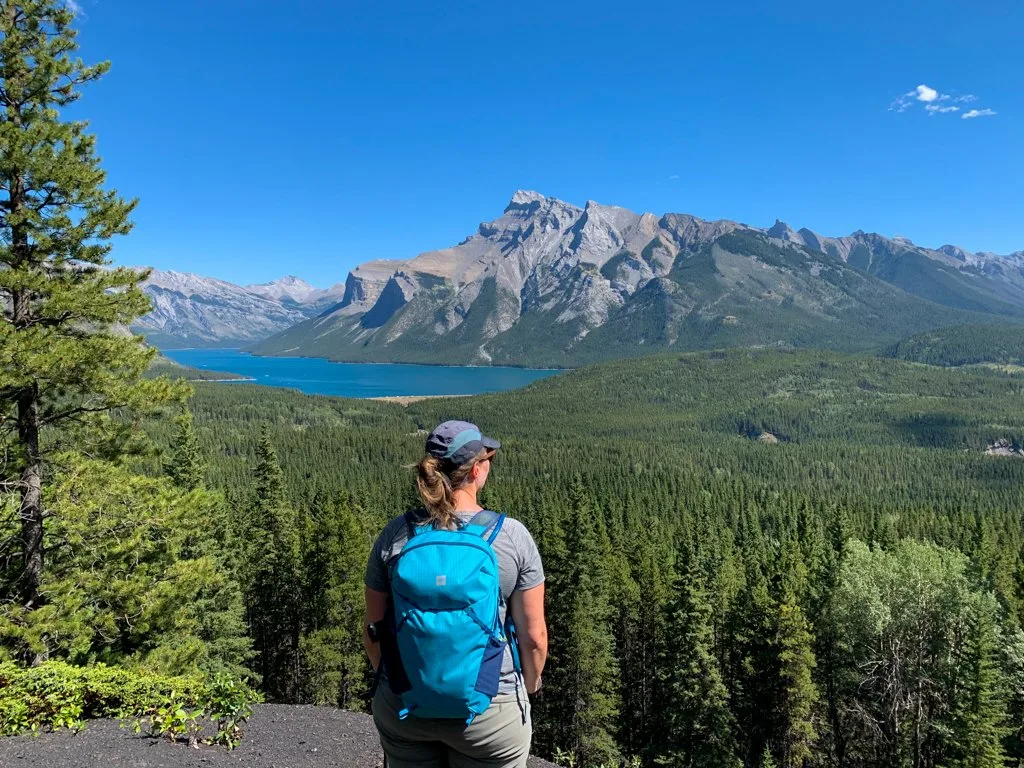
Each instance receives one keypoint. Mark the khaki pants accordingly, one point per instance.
(499, 738)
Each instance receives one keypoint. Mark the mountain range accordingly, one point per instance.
(194, 311)
(551, 283)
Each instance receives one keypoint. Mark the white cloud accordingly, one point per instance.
(673, 177)
(932, 100)
(74, 7)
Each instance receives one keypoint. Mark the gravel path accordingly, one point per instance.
(276, 736)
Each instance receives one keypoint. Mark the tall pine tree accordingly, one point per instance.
(271, 577)
(696, 724)
(979, 708)
(796, 693)
(334, 667)
(64, 364)
(585, 673)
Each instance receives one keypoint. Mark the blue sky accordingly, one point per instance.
(266, 138)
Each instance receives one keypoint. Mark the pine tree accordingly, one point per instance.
(696, 724)
(334, 667)
(584, 667)
(271, 576)
(64, 363)
(186, 467)
(755, 665)
(979, 708)
(550, 731)
(135, 580)
(797, 694)
(642, 632)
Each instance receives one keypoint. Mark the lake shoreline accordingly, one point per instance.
(404, 400)
(245, 351)
(318, 376)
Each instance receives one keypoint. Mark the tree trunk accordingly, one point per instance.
(31, 481)
(31, 512)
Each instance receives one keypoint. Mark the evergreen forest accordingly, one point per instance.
(753, 557)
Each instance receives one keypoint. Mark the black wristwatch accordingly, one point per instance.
(371, 631)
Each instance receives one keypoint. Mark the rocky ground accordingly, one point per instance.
(275, 737)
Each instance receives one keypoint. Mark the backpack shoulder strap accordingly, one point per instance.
(413, 523)
(483, 520)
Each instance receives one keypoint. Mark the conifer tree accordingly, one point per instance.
(696, 724)
(135, 581)
(333, 661)
(979, 708)
(797, 694)
(271, 576)
(186, 467)
(584, 683)
(756, 668)
(643, 630)
(64, 363)
(550, 732)
(829, 670)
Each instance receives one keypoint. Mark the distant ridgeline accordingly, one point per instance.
(851, 586)
(964, 345)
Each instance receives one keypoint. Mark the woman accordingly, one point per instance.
(449, 479)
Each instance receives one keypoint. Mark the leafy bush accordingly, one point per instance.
(58, 695)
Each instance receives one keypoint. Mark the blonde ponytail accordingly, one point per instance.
(437, 488)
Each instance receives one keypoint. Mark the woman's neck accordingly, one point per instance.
(465, 501)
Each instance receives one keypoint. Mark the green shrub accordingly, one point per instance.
(58, 695)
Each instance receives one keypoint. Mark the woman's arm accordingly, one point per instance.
(376, 606)
(527, 608)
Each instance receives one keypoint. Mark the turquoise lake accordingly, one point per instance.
(323, 377)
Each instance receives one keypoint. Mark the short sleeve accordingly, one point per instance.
(531, 569)
(376, 576)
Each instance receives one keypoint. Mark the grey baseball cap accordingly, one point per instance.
(456, 442)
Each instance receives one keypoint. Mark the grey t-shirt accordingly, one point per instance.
(519, 568)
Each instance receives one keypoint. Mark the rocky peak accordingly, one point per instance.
(956, 252)
(525, 200)
(811, 239)
(782, 231)
(526, 214)
(288, 287)
(691, 232)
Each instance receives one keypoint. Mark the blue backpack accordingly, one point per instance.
(445, 645)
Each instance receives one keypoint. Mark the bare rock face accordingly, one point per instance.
(397, 292)
(1004, 447)
(365, 284)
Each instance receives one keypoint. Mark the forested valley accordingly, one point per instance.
(753, 558)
